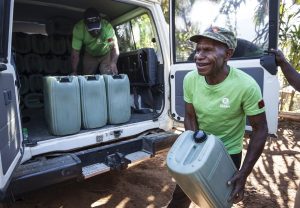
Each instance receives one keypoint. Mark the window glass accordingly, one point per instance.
(135, 34)
(4, 25)
(248, 19)
(125, 37)
(1, 27)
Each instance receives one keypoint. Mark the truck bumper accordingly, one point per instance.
(87, 163)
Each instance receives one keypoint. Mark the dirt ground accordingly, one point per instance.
(273, 182)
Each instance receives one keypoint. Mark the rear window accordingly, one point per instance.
(248, 19)
(4, 25)
(136, 34)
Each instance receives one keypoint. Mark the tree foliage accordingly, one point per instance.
(289, 32)
(135, 34)
(289, 39)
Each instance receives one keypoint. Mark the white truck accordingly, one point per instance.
(31, 157)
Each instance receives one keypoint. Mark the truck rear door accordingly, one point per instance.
(10, 133)
(255, 24)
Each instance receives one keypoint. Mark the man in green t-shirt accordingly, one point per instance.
(97, 37)
(217, 100)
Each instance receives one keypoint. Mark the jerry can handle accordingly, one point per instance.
(91, 77)
(117, 76)
(64, 79)
(200, 136)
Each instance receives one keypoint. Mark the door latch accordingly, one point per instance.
(117, 133)
(7, 97)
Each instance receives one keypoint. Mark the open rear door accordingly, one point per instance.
(256, 24)
(10, 133)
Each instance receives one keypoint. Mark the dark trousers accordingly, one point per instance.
(181, 200)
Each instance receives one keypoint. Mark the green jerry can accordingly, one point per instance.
(118, 98)
(62, 104)
(93, 101)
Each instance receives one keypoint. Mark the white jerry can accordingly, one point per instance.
(202, 169)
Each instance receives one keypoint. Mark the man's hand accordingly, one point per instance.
(238, 182)
(292, 76)
(113, 68)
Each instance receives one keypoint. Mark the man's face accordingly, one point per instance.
(210, 57)
(93, 20)
(94, 33)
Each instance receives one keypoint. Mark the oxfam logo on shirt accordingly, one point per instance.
(225, 103)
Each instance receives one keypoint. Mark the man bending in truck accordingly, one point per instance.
(96, 37)
(217, 100)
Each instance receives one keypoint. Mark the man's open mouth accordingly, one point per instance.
(202, 64)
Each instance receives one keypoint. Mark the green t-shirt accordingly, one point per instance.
(98, 46)
(221, 109)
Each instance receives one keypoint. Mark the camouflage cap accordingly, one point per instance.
(219, 34)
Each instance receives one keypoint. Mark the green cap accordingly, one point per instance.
(219, 34)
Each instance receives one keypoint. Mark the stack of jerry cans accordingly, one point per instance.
(118, 98)
(93, 101)
(202, 170)
(62, 104)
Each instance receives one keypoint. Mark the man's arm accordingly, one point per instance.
(74, 60)
(114, 55)
(115, 52)
(255, 148)
(190, 121)
(292, 76)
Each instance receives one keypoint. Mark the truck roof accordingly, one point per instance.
(41, 10)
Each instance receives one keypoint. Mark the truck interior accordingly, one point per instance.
(42, 36)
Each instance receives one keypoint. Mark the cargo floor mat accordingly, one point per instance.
(38, 131)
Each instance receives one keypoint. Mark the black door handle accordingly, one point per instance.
(7, 97)
(269, 63)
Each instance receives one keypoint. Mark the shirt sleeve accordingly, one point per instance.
(110, 35)
(187, 95)
(253, 103)
(77, 39)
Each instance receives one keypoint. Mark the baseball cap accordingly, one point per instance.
(92, 19)
(219, 34)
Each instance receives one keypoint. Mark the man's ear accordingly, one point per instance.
(229, 53)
